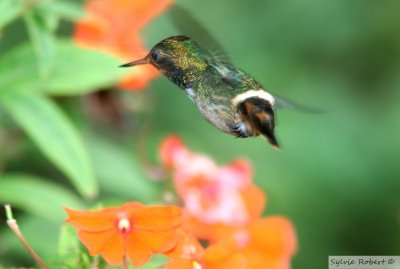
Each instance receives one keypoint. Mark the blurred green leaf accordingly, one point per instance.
(53, 133)
(76, 70)
(71, 253)
(118, 171)
(80, 71)
(67, 10)
(10, 10)
(42, 235)
(68, 247)
(36, 195)
(156, 261)
(41, 27)
(18, 70)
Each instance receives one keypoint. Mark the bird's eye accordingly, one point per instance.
(155, 56)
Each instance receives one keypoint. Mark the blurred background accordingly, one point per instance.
(337, 177)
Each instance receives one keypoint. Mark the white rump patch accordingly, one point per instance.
(253, 93)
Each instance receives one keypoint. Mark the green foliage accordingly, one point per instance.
(46, 66)
(81, 71)
(38, 196)
(30, 74)
(70, 254)
(66, 10)
(157, 261)
(118, 172)
(52, 132)
(41, 27)
(336, 177)
(18, 70)
(10, 10)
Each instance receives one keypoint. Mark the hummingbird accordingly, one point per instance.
(227, 97)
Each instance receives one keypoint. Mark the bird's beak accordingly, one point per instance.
(144, 60)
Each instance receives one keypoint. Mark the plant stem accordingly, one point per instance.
(126, 266)
(12, 223)
(95, 264)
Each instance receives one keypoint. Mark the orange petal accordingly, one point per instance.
(89, 32)
(149, 9)
(114, 26)
(157, 241)
(113, 251)
(220, 251)
(254, 260)
(130, 46)
(92, 221)
(139, 78)
(179, 264)
(236, 261)
(95, 241)
(224, 255)
(187, 247)
(259, 260)
(137, 252)
(131, 13)
(151, 218)
(276, 262)
(275, 236)
(254, 200)
(211, 232)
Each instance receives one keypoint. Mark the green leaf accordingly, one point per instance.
(118, 171)
(41, 27)
(68, 247)
(76, 71)
(71, 253)
(10, 10)
(53, 133)
(41, 234)
(37, 196)
(67, 10)
(156, 261)
(80, 71)
(18, 69)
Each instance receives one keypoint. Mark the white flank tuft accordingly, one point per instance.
(253, 93)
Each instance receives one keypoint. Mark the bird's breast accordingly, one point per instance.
(221, 116)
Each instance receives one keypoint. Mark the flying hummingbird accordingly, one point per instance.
(227, 97)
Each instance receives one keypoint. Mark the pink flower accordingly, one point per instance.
(223, 197)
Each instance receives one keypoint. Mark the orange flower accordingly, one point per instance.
(113, 26)
(131, 230)
(267, 243)
(189, 254)
(217, 199)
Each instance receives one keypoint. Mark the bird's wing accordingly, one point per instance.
(191, 27)
(283, 103)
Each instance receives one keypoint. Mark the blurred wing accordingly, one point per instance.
(284, 103)
(189, 26)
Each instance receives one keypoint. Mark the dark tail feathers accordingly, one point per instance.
(259, 114)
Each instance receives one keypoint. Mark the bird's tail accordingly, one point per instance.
(258, 113)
